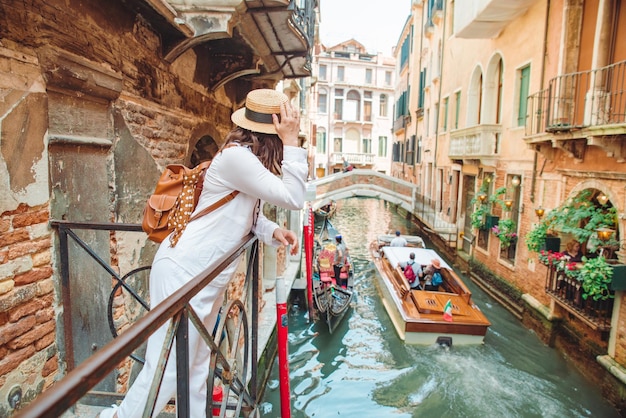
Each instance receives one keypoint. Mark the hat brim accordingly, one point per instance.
(239, 118)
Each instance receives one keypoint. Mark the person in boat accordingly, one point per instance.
(432, 275)
(415, 268)
(573, 251)
(398, 241)
(340, 260)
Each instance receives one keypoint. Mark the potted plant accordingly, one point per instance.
(506, 231)
(481, 218)
(596, 275)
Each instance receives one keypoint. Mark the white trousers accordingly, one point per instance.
(166, 277)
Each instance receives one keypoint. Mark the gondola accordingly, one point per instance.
(444, 316)
(326, 211)
(331, 302)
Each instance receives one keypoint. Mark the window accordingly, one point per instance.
(322, 72)
(368, 76)
(353, 106)
(338, 145)
(420, 99)
(367, 106)
(382, 146)
(445, 114)
(387, 78)
(366, 146)
(457, 110)
(410, 153)
(340, 72)
(321, 141)
(322, 102)
(383, 105)
(524, 80)
(338, 104)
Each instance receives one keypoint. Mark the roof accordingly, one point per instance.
(423, 256)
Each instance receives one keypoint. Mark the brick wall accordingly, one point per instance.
(28, 353)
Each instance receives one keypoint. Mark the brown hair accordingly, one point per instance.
(570, 246)
(267, 147)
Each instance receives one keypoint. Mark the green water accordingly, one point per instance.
(364, 370)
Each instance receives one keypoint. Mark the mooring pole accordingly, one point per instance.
(282, 321)
(308, 253)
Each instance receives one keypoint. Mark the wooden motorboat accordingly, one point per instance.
(331, 301)
(446, 316)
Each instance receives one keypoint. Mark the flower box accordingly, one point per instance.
(618, 281)
(491, 221)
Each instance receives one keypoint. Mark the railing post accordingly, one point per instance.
(66, 297)
(182, 367)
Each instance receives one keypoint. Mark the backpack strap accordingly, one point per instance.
(215, 205)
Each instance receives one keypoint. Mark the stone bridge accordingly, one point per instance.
(370, 183)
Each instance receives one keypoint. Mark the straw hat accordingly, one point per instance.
(256, 116)
(435, 262)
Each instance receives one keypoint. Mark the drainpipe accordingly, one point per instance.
(533, 183)
(443, 47)
(419, 70)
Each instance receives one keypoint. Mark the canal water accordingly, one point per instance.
(364, 370)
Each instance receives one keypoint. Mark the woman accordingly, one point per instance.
(429, 274)
(263, 147)
(572, 250)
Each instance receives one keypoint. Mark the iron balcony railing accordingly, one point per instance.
(579, 100)
(568, 293)
(233, 342)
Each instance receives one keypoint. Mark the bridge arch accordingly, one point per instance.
(364, 183)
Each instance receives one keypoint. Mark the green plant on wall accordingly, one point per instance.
(579, 216)
(483, 208)
(596, 275)
(536, 237)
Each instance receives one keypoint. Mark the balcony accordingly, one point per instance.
(400, 123)
(579, 109)
(480, 142)
(567, 293)
(240, 38)
(355, 158)
(484, 19)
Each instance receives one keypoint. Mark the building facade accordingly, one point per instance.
(510, 119)
(352, 101)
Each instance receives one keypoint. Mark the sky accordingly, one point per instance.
(376, 24)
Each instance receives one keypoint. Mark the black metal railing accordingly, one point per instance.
(439, 216)
(568, 292)
(577, 100)
(233, 363)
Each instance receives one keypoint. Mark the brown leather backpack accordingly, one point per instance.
(175, 197)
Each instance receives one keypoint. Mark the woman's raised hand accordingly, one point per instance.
(288, 125)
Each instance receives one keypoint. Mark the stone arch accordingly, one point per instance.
(474, 97)
(492, 102)
(613, 198)
(204, 144)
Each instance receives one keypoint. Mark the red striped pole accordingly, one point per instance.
(308, 253)
(283, 361)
